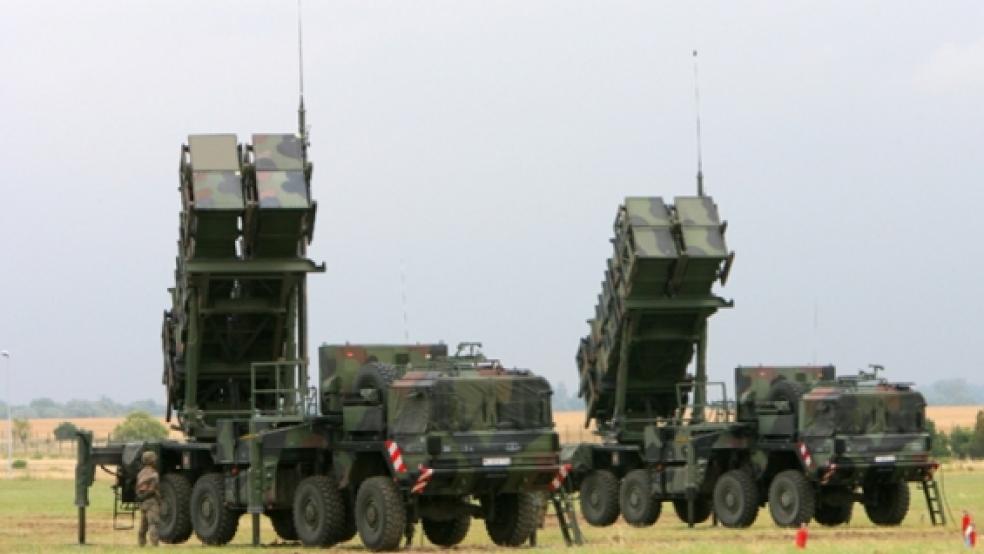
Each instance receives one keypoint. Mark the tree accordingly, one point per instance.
(22, 430)
(954, 392)
(45, 407)
(976, 447)
(941, 443)
(65, 431)
(960, 438)
(139, 426)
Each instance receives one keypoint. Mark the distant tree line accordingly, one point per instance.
(104, 407)
(953, 392)
(960, 442)
(564, 401)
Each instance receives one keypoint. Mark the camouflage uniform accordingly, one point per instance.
(148, 493)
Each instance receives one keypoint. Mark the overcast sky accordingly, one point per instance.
(488, 144)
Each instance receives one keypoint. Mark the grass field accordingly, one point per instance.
(37, 515)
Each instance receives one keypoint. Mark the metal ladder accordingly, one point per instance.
(122, 510)
(566, 516)
(934, 502)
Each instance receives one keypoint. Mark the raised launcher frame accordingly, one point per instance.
(235, 339)
(240, 295)
(651, 317)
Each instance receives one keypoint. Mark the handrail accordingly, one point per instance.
(290, 402)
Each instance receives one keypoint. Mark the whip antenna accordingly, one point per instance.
(301, 124)
(700, 161)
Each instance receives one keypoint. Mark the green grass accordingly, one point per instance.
(38, 516)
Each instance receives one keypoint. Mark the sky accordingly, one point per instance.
(484, 147)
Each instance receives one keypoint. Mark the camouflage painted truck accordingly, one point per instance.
(379, 449)
(798, 439)
(462, 437)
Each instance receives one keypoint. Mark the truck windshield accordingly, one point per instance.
(862, 414)
(489, 404)
(409, 410)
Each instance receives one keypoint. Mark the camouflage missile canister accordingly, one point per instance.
(237, 320)
(655, 300)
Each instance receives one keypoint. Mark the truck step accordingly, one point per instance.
(934, 502)
(566, 516)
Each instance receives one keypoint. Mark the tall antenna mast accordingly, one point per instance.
(301, 124)
(700, 161)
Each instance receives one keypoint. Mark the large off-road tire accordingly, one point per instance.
(175, 526)
(639, 507)
(792, 499)
(379, 514)
(886, 503)
(319, 511)
(447, 533)
(215, 523)
(702, 510)
(374, 375)
(283, 524)
(599, 498)
(736, 499)
(833, 514)
(513, 519)
(784, 389)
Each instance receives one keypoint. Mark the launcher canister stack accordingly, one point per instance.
(651, 316)
(238, 319)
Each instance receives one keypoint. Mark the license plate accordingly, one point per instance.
(492, 462)
(884, 459)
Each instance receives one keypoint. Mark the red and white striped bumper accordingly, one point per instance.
(396, 457)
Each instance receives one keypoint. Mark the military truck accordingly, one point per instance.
(397, 433)
(799, 439)
(464, 437)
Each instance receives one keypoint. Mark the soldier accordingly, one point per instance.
(148, 494)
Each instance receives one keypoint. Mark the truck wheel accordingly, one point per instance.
(215, 523)
(447, 533)
(380, 514)
(513, 520)
(791, 499)
(702, 510)
(599, 498)
(175, 526)
(736, 501)
(639, 507)
(886, 503)
(283, 524)
(833, 514)
(788, 391)
(318, 511)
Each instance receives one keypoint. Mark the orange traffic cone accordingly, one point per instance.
(801, 535)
